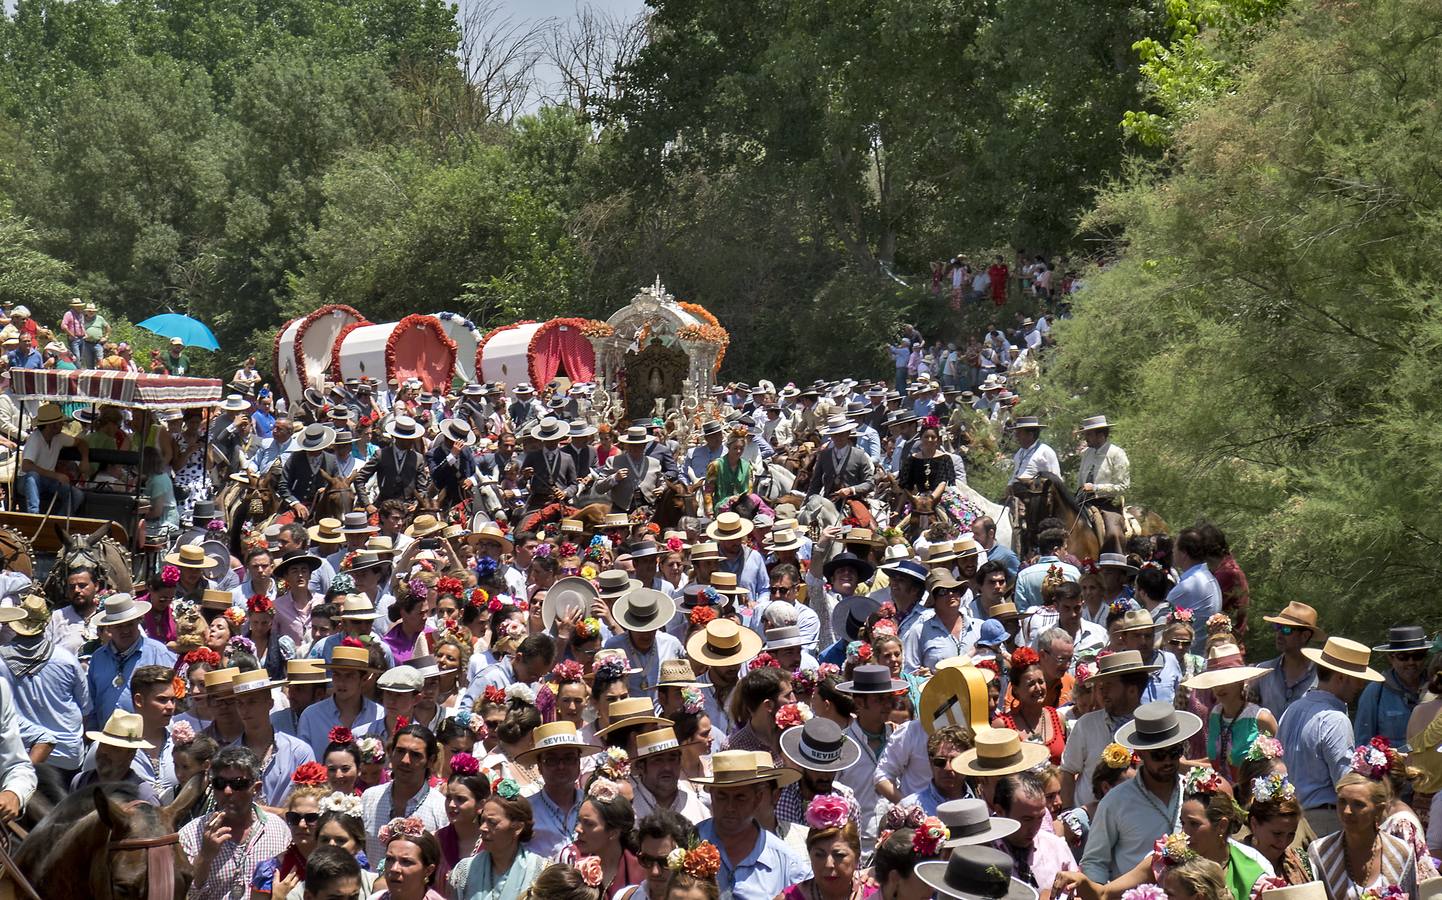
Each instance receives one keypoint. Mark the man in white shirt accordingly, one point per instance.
(40, 479)
(1104, 476)
(1035, 456)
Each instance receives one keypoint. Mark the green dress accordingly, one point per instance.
(730, 482)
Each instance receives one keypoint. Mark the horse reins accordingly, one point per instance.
(160, 862)
(8, 864)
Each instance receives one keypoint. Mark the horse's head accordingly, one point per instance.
(143, 856)
(82, 551)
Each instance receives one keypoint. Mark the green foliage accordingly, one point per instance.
(27, 275)
(1269, 341)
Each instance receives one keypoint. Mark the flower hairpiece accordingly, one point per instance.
(506, 789)
(1264, 747)
(825, 670)
(170, 575)
(1144, 892)
(674, 544)
(521, 691)
(181, 733)
(241, 642)
(308, 773)
(371, 749)
(589, 570)
(603, 789)
(1219, 622)
(804, 682)
(793, 714)
(1084, 670)
(713, 596)
(340, 735)
(344, 804)
(409, 827)
(1022, 657)
(543, 551)
(701, 861)
(1389, 892)
(201, 655)
(417, 589)
(1272, 787)
(691, 700)
(828, 811)
(449, 585)
(1203, 780)
(1183, 615)
(1372, 761)
(342, 583)
(463, 763)
(903, 815)
(493, 694)
(591, 870)
(765, 660)
(486, 567)
(1174, 849)
(512, 629)
(568, 549)
(929, 836)
(1088, 566)
(348, 560)
(260, 603)
(1115, 756)
(235, 617)
(883, 627)
(567, 671)
(588, 628)
(702, 615)
(859, 651)
(1119, 606)
(617, 763)
(610, 668)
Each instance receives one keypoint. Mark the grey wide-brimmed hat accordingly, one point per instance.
(1156, 725)
(316, 437)
(971, 822)
(644, 609)
(975, 873)
(404, 428)
(820, 746)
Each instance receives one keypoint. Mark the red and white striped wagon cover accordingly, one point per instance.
(131, 389)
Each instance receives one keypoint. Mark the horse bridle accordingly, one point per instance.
(159, 863)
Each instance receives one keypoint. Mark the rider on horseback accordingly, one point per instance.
(1103, 478)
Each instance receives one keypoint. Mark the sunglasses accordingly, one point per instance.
(1175, 751)
(237, 784)
(1284, 629)
(1412, 656)
(1179, 644)
(940, 762)
(649, 862)
(780, 591)
(295, 818)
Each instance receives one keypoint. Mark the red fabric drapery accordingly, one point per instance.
(560, 343)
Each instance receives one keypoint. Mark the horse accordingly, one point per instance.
(1047, 497)
(96, 551)
(334, 499)
(775, 482)
(105, 842)
(675, 501)
(922, 509)
(248, 498)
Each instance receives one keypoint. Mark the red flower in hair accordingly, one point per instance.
(493, 694)
(990, 665)
(402, 721)
(201, 655)
(701, 615)
(260, 603)
(351, 641)
(765, 660)
(309, 773)
(653, 528)
(1022, 657)
(449, 586)
(340, 735)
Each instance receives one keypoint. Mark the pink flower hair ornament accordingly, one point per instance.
(828, 811)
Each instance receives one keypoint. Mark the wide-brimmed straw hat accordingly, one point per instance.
(219, 683)
(635, 434)
(252, 681)
(975, 873)
(725, 583)
(738, 768)
(558, 735)
(676, 673)
(122, 729)
(729, 527)
(1156, 725)
(350, 659)
(425, 525)
(782, 539)
(1021, 422)
(33, 615)
(326, 531)
(629, 713)
(999, 751)
(706, 551)
(1225, 665)
(820, 746)
(1137, 620)
(723, 643)
(644, 609)
(190, 556)
(971, 823)
(492, 532)
(305, 671)
(1345, 656)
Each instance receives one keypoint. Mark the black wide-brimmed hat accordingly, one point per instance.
(864, 569)
(1404, 639)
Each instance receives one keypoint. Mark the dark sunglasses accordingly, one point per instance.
(295, 818)
(1284, 629)
(1179, 644)
(940, 762)
(238, 784)
(1175, 751)
(1411, 656)
(649, 862)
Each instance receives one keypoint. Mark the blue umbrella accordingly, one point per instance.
(191, 332)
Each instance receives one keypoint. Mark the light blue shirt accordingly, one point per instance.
(554, 827)
(1384, 709)
(807, 622)
(1028, 581)
(55, 699)
(1317, 739)
(749, 567)
(770, 868)
(289, 753)
(1127, 823)
(1198, 591)
(870, 442)
(323, 715)
(649, 662)
(1006, 556)
(109, 679)
(909, 628)
(701, 457)
(1162, 685)
(496, 675)
(936, 642)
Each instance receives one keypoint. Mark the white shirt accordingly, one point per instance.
(904, 762)
(1028, 461)
(1089, 737)
(46, 454)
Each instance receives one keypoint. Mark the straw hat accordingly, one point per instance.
(636, 434)
(737, 768)
(1137, 620)
(1156, 725)
(782, 539)
(725, 583)
(629, 713)
(425, 525)
(492, 532)
(1224, 666)
(862, 536)
(999, 751)
(650, 743)
(615, 520)
(723, 643)
(1122, 662)
(1347, 657)
(122, 729)
(938, 555)
(706, 551)
(729, 527)
(1297, 615)
(190, 556)
(357, 608)
(570, 593)
(554, 736)
(1092, 423)
(252, 681)
(326, 531)
(218, 683)
(677, 673)
(352, 659)
(33, 618)
(1115, 561)
(48, 414)
(971, 823)
(305, 671)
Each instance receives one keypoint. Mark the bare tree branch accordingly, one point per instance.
(586, 54)
(498, 59)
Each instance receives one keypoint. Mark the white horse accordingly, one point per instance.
(995, 511)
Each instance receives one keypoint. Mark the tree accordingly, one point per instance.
(28, 275)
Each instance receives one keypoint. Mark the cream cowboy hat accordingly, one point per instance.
(123, 729)
(121, 608)
(1224, 666)
(1347, 657)
(190, 556)
(738, 768)
(629, 713)
(729, 527)
(723, 643)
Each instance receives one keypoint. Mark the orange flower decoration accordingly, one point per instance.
(704, 861)
(177, 687)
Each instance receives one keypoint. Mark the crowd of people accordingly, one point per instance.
(508, 669)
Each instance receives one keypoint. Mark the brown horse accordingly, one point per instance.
(98, 552)
(104, 842)
(1047, 497)
(675, 502)
(922, 513)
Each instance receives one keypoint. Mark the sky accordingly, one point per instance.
(535, 11)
